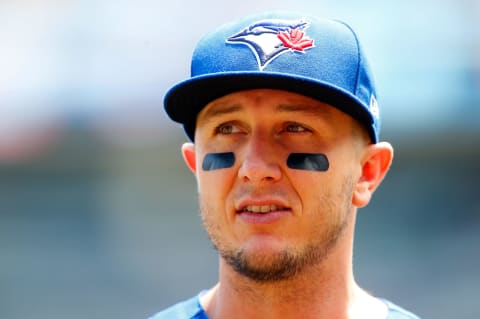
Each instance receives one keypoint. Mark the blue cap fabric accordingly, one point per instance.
(314, 57)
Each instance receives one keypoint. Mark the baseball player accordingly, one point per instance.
(282, 115)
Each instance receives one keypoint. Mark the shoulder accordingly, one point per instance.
(396, 312)
(188, 309)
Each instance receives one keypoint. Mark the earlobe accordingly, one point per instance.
(375, 165)
(189, 156)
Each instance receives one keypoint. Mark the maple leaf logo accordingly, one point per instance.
(295, 39)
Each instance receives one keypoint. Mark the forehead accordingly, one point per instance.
(269, 99)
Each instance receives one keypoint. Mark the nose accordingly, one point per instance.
(259, 163)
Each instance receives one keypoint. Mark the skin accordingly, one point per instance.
(314, 214)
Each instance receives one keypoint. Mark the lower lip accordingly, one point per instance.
(268, 218)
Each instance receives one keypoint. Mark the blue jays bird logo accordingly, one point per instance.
(270, 38)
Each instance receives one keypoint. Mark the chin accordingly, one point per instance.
(263, 259)
(264, 245)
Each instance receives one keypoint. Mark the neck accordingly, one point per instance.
(327, 290)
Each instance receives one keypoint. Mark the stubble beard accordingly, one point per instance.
(290, 261)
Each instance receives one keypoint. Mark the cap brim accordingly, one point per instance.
(185, 100)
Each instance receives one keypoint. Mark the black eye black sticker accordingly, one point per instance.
(308, 161)
(213, 161)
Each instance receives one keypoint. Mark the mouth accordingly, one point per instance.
(262, 209)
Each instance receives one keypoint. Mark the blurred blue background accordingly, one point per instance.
(98, 215)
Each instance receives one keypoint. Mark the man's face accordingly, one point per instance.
(269, 221)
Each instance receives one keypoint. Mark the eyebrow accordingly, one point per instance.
(221, 109)
(226, 108)
(304, 108)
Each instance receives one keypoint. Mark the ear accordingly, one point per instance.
(375, 164)
(189, 156)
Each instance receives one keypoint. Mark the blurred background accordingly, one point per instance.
(98, 215)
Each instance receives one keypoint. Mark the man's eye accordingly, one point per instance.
(295, 128)
(228, 128)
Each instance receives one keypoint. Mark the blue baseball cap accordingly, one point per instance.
(318, 58)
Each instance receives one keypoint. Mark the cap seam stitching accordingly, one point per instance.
(359, 56)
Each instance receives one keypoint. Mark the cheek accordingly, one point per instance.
(216, 176)
(318, 191)
(215, 173)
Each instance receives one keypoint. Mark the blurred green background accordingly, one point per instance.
(98, 215)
